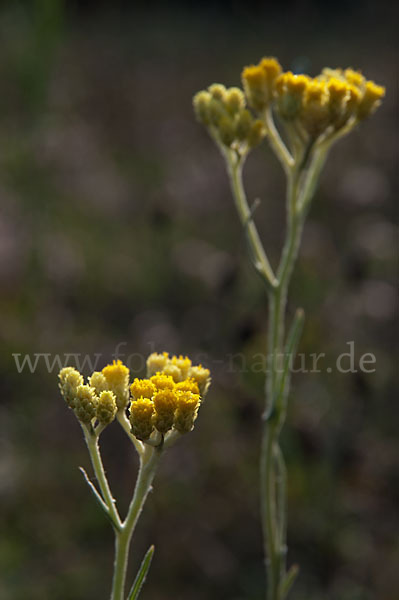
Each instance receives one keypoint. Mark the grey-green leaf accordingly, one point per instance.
(141, 574)
(288, 581)
(99, 499)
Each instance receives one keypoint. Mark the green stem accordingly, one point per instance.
(268, 511)
(300, 189)
(148, 465)
(281, 500)
(261, 261)
(95, 456)
(280, 149)
(124, 423)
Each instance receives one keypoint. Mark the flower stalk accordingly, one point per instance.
(313, 113)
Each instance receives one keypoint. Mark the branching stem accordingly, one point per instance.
(123, 530)
(302, 171)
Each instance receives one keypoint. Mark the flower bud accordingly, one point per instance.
(202, 377)
(98, 382)
(217, 91)
(70, 380)
(201, 107)
(315, 111)
(256, 133)
(186, 411)
(162, 382)
(117, 376)
(141, 414)
(165, 406)
(243, 125)
(258, 81)
(142, 388)
(85, 403)
(289, 91)
(371, 99)
(188, 385)
(183, 363)
(156, 362)
(173, 371)
(106, 407)
(234, 100)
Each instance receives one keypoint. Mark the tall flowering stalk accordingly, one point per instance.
(161, 408)
(313, 113)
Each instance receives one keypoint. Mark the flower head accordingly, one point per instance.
(85, 405)
(309, 107)
(117, 377)
(202, 377)
(98, 381)
(162, 381)
(258, 81)
(165, 400)
(106, 407)
(142, 388)
(186, 410)
(225, 114)
(141, 414)
(165, 406)
(69, 381)
(156, 362)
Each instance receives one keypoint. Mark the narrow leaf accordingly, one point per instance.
(288, 581)
(141, 574)
(99, 499)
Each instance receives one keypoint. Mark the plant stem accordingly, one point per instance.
(260, 259)
(124, 423)
(95, 456)
(148, 465)
(300, 189)
(272, 492)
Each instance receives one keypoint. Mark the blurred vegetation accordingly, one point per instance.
(117, 225)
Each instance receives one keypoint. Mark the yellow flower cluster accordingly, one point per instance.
(225, 113)
(311, 105)
(169, 397)
(93, 401)
(331, 99)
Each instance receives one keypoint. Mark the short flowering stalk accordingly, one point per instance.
(162, 407)
(149, 461)
(313, 114)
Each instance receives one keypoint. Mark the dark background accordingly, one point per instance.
(117, 225)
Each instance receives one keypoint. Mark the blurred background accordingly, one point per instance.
(117, 227)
